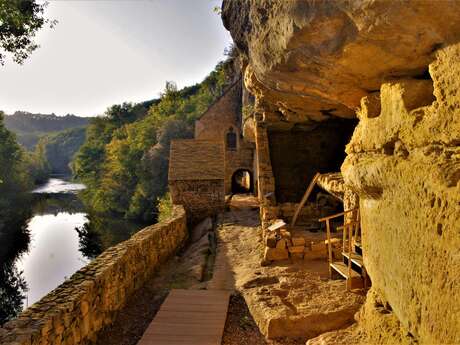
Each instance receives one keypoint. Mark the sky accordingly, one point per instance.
(105, 52)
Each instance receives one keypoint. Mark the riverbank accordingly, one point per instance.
(79, 308)
(55, 237)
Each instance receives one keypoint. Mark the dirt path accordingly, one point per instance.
(177, 273)
(180, 272)
(283, 299)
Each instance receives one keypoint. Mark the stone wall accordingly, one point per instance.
(404, 163)
(215, 123)
(75, 311)
(201, 198)
(243, 158)
(265, 179)
(221, 115)
(297, 155)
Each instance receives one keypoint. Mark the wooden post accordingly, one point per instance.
(358, 228)
(305, 198)
(350, 234)
(329, 247)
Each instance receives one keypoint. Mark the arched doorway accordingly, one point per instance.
(242, 182)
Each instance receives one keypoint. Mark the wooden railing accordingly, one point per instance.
(350, 228)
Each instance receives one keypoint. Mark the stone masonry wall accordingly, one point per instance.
(297, 155)
(404, 162)
(265, 179)
(223, 114)
(215, 123)
(75, 311)
(243, 158)
(201, 198)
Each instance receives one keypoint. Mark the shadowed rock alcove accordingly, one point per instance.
(298, 154)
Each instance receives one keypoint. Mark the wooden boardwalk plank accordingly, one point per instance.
(189, 317)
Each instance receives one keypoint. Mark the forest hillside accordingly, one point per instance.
(124, 160)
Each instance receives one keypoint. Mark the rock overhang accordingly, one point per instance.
(316, 60)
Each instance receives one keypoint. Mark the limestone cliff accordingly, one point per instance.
(312, 59)
(395, 66)
(405, 165)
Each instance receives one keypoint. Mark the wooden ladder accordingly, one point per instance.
(351, 266)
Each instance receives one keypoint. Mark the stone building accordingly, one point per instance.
(196, 176)
(222, 122)
(217, 162)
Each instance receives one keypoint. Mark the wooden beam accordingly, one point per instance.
(350, 236)
(336, 215)
(305, 198)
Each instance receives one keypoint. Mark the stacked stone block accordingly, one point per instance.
(282, 244)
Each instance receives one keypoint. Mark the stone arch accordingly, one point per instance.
(242, 181)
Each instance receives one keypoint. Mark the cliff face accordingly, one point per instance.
(394, 65)
(316, 59)
(405, 165)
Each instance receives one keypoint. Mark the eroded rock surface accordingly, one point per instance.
(311, 60)
(394, 65)
(405, 165)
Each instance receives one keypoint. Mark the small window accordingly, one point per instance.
(231, 139)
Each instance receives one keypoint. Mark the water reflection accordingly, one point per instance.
(100, 233)
(45, 238)
(53, 253)
(14, 240)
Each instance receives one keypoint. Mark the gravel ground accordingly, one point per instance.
(134, 318)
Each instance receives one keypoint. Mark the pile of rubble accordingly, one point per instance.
(283, 243)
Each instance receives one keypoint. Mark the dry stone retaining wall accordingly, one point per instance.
(201, 198)
(75, 311)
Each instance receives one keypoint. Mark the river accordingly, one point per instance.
(55, 239)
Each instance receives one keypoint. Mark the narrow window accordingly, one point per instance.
(231, 139)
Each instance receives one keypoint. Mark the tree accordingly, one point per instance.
(124, 161)
(10, 157)
(19, 22)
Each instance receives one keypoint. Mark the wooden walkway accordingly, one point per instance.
(189, 317)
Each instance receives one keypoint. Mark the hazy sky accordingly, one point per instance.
(104, 52)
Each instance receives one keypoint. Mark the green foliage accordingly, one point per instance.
(58, 149)
(124, 161)
(12, 289)
(13, 234)
(19, 22)
(165, 207)
(217, 10)
(36, 165)
(11, 160)
(19, 170)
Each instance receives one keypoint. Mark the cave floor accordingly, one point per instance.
(294, 300)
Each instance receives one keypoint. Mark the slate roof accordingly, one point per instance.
(192, 159)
